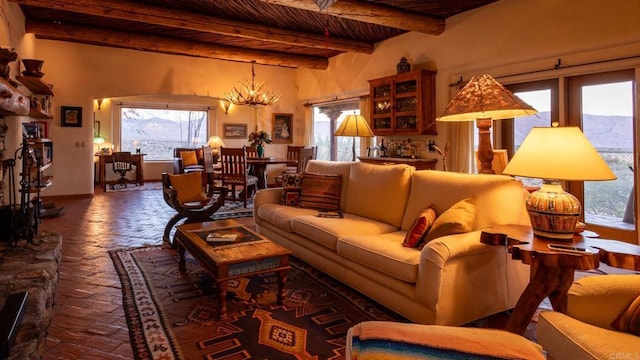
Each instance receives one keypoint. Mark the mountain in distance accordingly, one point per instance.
(604, 131)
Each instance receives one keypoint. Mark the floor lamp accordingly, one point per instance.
(354, 125)
(483, 99)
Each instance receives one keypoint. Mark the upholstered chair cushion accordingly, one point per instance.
(188, 187)
(457, 219)
(419, 228)
(189, 158)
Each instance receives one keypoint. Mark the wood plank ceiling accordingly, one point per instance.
(288, 33)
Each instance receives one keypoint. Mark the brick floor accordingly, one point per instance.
(88, 318)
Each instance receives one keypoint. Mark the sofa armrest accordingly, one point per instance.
(587, 295)
(266, 196)
(456, 268)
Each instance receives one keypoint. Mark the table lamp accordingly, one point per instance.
(554, 154)
(215, 143)
(484, 99)
(354, 125)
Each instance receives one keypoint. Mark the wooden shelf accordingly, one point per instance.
(39, 114)
(35, 85)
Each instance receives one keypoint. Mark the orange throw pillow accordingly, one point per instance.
(459, 218)
(419, 228)
(189, 158)
(188, 187)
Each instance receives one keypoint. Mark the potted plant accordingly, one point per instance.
(258, 139)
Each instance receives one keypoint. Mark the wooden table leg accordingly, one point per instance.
(282, 280)
(552, 282)
(221, 291)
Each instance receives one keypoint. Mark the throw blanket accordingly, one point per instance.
(373, 340)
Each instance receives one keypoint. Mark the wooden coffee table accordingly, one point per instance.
(552, 272)
(251, 254)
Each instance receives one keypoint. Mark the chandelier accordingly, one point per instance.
(251, 94)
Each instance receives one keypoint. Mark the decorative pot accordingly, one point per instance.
(33, 67)
(260, 150)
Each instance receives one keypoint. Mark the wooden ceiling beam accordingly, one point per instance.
(126, 10)
(86, 35)
(371, 13)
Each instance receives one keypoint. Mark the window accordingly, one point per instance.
(158, 131)
(602, 106)
(326, 119)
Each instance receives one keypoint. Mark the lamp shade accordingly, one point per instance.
(485, 98)
(554, 154)
(215, 142)
(559, 153)
(354, 125)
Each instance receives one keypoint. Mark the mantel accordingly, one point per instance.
(12, 101)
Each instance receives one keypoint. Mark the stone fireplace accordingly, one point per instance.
(31, 267)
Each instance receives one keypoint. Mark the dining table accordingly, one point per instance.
(258, 166)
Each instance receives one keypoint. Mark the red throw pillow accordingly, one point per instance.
(419, 228)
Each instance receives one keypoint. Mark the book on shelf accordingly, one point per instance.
(331, 214)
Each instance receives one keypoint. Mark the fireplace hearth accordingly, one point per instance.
(32, 268)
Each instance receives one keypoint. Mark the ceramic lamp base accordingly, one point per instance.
(553, 212)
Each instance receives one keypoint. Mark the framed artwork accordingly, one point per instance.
(234, 131)
(43, 129)
(283, 128)
(71, 116)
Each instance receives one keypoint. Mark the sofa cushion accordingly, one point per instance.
(291, 186)
(189, 157)
(379, 192)
(281, 215)
(188, 187)
(320, 191)
(457, 219)
(383, 252)
(332, 167)
(327, 231)
(501, 198)
(419, 228)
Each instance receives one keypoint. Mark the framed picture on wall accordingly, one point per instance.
(283, 128)
(71, 116)
(234, 131)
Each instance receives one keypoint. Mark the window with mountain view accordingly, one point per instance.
(158, 131)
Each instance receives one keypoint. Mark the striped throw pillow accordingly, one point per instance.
(320, 191)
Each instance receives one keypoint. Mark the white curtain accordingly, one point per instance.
(365, 110)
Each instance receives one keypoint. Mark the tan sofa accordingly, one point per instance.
(586, 331)
(453, 280)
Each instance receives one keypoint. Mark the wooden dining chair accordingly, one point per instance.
(235, 172)
(304, 155)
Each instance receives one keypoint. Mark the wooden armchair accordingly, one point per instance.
(185, 193)
(188, 160)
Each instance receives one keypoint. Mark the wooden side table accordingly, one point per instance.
(552, 272)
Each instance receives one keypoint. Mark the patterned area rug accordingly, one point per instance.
(173, 315)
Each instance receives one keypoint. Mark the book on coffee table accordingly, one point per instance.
(221, 237)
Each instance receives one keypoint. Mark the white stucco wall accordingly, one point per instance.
(503, 38)
(506, 37)
(81, 73)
